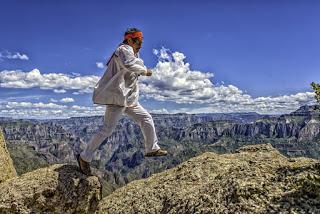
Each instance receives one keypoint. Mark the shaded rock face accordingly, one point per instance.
(211, 131)
(302, 125)
(254, 179)
(60, 188)
(7, 169)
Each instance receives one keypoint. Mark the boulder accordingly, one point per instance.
(59, 188)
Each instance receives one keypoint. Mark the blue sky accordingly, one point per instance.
(245, 55)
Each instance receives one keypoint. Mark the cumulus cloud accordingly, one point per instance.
(58, 82)
(100, 64)
(47, 110)
(264, 105)
(67, 100)
(163, 54)
(160, 111)
(173, 80)
(8, 55)
(53, 100)
(17, 105)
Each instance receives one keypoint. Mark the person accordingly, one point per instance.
(118, 90)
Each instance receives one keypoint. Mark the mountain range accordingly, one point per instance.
(120, 158)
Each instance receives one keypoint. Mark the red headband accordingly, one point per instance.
(133, 35)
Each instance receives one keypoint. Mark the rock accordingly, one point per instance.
(59, 188)
(255, 179)
(7, 169)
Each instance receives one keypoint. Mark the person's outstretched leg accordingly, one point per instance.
(111, 117)
(145, 121)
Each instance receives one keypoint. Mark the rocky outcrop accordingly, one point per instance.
(60, 188)
(7, 169)
(254, 179)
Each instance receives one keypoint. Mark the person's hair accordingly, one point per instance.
(129, 31)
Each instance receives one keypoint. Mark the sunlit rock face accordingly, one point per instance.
(254, 179)
(7, 169)
(59, 188)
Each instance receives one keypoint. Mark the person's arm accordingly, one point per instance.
(131, 62)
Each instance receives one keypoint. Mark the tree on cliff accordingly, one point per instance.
(316, 88)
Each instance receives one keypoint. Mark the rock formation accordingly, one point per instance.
(255, 179)
(7, 169)
(120, 158)
(59, 188)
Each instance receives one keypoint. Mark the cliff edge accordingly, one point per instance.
(7, 169)
(254, 179)
(59, 188)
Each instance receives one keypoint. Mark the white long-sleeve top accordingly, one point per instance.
(119, 83)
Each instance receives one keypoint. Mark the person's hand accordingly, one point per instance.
(149, 72)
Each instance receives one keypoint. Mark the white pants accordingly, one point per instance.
(111, 117)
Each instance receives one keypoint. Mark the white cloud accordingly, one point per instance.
(264, 105)
(53, 100)
(100, 64)
(16, 97)
(160, 111)
(16, 105)
(58, 82)
(75, 74)
(67, 100)
(8, 55)
(155, 51)
(163, 54)
(173, 80)
(77, 107)
(61, 91)
(47, 110)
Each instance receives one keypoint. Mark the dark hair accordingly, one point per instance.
(129, 31)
